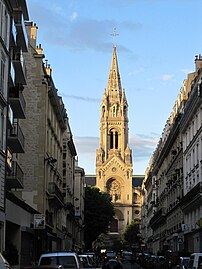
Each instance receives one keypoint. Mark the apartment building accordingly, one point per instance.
(173, 178)
(38, 176)
(79, 206)
(5, 20)
(191, 129)
(13, 42)
(147, 210)
(49, 158)
(73, 187)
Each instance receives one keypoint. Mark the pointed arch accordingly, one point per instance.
(113, 187)
(115, 223)
(114, 138)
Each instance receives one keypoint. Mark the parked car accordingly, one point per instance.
(3, 263)
(44, 267)
(113, 264)
(195, 261)
(86, 261)
(66, 259)
(110, 255)
(182, 263)
(128, 256)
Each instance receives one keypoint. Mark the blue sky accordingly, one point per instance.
(156, 46)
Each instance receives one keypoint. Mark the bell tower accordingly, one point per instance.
(114, 156)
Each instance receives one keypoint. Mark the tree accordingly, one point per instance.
(132, 234)
(98, 212)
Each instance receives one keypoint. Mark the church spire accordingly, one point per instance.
(114, 82)
(114, 156)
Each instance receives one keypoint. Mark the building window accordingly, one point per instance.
(2, 74)
(134, 197)
(1, 128)
(4, 25)
(111, 140)
(114, 138)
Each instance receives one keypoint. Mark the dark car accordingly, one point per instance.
(113, 264)
(44, 267)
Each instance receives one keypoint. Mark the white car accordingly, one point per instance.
(66, 259)
(3, 263)
(195, 260)
(183, 263)
(86, 261)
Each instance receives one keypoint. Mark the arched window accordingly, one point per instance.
(116, 140)
(113, 139)
(114, 189)
(114, 226)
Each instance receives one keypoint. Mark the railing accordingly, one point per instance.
(20, 70)
(16, 131)
(15, 176)
(158, 217)
(21, 29)
(17, 101)
(54, 190)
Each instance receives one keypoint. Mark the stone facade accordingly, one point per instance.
(41, 171)
(4, 72)
(171, 210)
(113, 157)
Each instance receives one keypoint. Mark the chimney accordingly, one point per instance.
(48, 68)
(198, 62)
(39, 49)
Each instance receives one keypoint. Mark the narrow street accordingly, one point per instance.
(128, 265)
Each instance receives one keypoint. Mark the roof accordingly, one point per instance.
(136, 180)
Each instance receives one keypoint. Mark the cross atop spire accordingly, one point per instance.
(114, 34)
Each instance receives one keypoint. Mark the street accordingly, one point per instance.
(128, 265)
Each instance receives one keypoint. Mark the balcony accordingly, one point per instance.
(14, 177)
(17, 102)
(13, 39)
(158, 218)
(55, 194)
(19, 66)
(21, 37)
(192, 199)
(16, 139)
(49, 218)
(10, 117)
(70, 209)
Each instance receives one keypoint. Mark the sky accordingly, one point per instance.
(157, 41)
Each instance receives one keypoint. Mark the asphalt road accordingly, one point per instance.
(128, 265)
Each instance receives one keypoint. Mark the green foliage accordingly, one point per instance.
(98, 212)
(132, 234)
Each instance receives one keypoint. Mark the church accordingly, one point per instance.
(114, 171)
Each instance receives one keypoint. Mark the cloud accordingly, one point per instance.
(73, 16)
(81, 33)
(81, 98)
(87, 33)
(86, 145)
(119, 3)
(186, 71)
(142, 148)
(167, 77)
(137, 71)
(141, 145)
